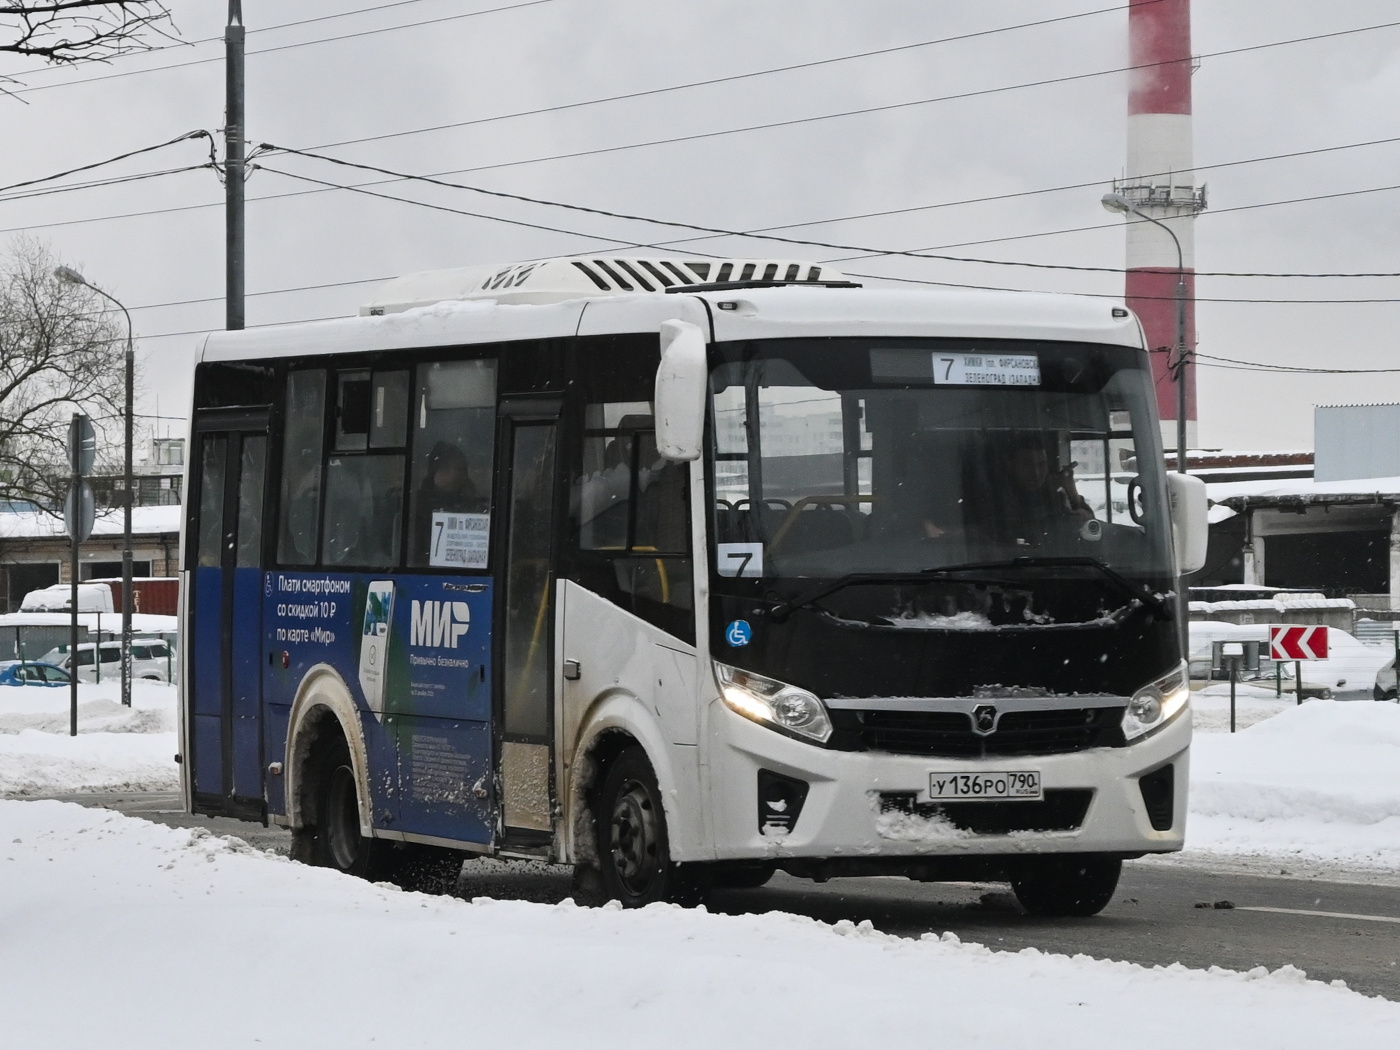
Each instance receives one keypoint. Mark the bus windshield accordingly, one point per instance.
(840, 456)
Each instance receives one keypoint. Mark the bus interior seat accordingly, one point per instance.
(821, 526)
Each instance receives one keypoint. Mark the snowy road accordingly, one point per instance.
(1152, 920)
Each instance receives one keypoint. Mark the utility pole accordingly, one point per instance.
(233, 166)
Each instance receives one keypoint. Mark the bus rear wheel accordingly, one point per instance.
(633, 845)
(1068, 885)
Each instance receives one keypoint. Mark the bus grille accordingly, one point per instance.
(1062, 809)
(948, 734)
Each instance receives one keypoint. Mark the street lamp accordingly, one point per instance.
(71, 276)
(1116, 202)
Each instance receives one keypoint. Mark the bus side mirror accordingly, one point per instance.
(681, 381)
(1190, 530)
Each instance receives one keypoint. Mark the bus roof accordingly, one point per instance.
(803, 308)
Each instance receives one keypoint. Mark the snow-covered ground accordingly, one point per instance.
(1304, 789)
(117, 748)
(1315, 784)
(116, 930)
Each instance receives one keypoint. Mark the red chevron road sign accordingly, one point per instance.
(1297, 643)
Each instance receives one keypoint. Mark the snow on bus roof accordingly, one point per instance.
(758, 312)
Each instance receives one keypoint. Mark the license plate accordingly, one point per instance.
(1022, 785)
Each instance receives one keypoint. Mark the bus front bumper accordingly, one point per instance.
(875, 804)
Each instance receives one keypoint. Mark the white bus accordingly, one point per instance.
(684, 572)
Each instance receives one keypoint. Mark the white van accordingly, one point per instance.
(151, 659)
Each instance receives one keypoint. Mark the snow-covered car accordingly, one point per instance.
(151, 659)
(1385, 682)
(32, 672)
(1350, 671)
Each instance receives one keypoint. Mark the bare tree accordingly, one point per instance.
(68, 31)
(61, 351)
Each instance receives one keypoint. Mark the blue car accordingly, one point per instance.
(32, 672)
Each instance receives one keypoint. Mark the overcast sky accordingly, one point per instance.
(395, 77)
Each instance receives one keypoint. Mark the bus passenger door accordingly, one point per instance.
(224, 628)
(525, 622)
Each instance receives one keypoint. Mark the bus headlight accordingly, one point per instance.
(774, 704)
(1157, 703)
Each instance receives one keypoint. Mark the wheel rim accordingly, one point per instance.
(635, 838)
(343, 819)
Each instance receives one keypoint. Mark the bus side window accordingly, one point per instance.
(364, 511)
(363, 521)
(454, 437)
(300, 509)
(629, 511)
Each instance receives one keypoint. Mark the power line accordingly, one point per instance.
(455, 211)
(112, 160)
(283, 47)
(885, 213)
(264, 148)
(888, 107)
(1116, 295)
(1116, 225)
(115, 180)
(251, 31)
(754, 233)
(1266, 366)
(727, 79)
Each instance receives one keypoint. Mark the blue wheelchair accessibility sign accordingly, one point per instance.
(738, 633)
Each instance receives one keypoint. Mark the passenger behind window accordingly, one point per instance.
(447, 487)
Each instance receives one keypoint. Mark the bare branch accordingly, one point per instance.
(69, 31)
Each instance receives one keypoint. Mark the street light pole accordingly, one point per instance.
(71, 276)
(1116, 202)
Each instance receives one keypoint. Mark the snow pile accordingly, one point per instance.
(1254, 702)
(961, 621)
(1316, 782)
(141, 921)
(117, 748)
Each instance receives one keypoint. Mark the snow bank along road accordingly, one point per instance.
(116, 930)
(1307, 791)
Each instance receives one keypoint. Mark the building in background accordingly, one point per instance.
(34, 549)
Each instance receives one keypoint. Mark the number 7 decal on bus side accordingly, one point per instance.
(743, 560)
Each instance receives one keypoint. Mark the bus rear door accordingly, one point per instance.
(529, 449)
(223, 635)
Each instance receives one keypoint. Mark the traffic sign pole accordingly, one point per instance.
(1298, 687)
(75, 516)
(79, 511)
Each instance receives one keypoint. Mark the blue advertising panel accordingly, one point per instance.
(415, 654)
(207, 651)
(247, 658)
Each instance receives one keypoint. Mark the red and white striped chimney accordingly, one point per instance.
(1161, 182)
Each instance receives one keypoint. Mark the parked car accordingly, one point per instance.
(32, 672)
(1350, 672)
(1385, 682)
(151, 659)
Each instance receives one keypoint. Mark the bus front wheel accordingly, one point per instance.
(633, 847)
(1066, 885)
(339, 843)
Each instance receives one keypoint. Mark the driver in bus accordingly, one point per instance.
(1039, 496)
(1014, 492)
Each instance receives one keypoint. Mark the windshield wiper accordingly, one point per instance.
(1156, 602)
(780, 612)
